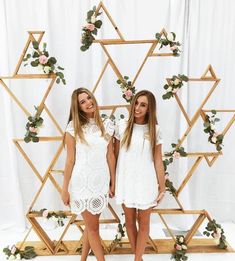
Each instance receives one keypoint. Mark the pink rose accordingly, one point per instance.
(128, 93)
(45, 213)
(175, 90)
(43, 59)
(176, 155)
(216, 235)
(178, 247)
(13, 249)
(167, 177)
(90, 27)
(32, 129)
(174, 47)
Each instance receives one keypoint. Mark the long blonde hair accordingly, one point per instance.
(150, 119)
(79, 118)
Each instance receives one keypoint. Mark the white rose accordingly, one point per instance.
(218, 230)
(93, 19)
(18, 256)
(47, 69)
(45, 213)
(170, 37)
(169, 89)
(124, 229)
(53, 218)
(40, 67)
(175, 90)
(181, 239)
(176, 81)
(12, 257)
(213, 139)
(119, 235)
(212, 126)
(184, 247)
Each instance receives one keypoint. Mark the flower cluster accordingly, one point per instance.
(209, 127)
(180, 249)
(57, 217)
(175, 83)
(216, 231)
(14, 253)
(43, 61)
(112, 117)
(121, 230)
(90, 29)
(176, 153)
(32, 127)
(128, 91)
(169, 40)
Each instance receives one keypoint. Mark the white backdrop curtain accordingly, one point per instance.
(206, 30)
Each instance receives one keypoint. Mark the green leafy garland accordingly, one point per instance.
(58, 217)
(128, 91)
(121, 230)
(209, 127)
(180, 249)
(216, 231)
(43, 61)
(15, 253)
(90, 29)
(32, 127)
(176, 153)
(169, 40)
(175, 83)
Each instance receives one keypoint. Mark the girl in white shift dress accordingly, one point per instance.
(90, 166)
(140, 180)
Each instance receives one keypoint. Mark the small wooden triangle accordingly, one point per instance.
(153, 53)
(210, 160)
(209, 73)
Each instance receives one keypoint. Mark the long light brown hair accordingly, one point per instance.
(79, 118)
(150, 119)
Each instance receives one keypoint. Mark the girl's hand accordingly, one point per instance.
(65, 197)
(160, 196)
(111, 190)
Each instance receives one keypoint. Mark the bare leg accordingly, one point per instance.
(130, 219)
(85, 246)
(143, 233)
(92, 226)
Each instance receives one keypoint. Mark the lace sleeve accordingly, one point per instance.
(159, 135)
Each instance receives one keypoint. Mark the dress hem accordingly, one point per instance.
(137, 206)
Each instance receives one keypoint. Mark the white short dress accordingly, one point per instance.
(89, 184)
(136, 180)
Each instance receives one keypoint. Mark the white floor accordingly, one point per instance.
(8, 237)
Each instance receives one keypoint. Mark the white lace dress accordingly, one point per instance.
(136, 180)
(89, 184)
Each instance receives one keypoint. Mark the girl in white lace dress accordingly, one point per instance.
(90, 166)
(140, 181)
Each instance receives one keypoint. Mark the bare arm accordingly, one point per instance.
(158, 164)
(70, 160)
(111, 163)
